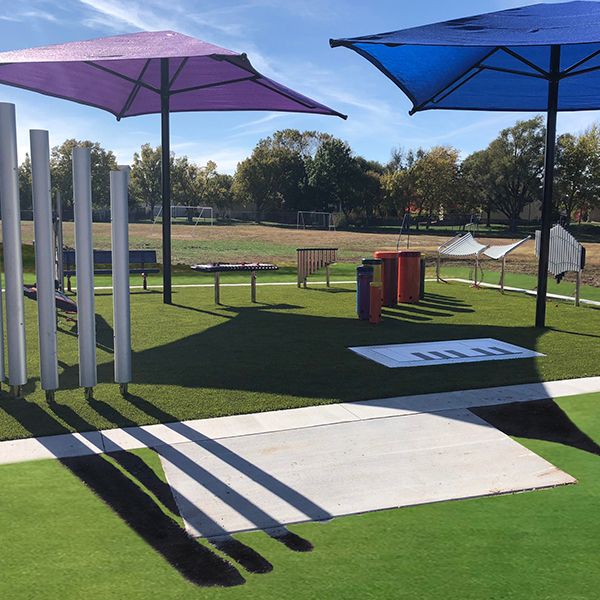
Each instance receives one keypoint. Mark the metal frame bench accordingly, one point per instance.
(141, 262)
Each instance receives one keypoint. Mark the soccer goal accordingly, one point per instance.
(187, 215)
(310, 219)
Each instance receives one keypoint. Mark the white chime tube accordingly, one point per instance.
(44, 257)
(120, 274)
(11, 237)
(84, 266)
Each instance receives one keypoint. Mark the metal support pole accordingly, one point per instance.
(166, 180)
(578, 289)
(327, 276)
(502, 275)
(59, 244)
(253, 286)
(119, 212)
(84, 266)
(217, 291)
(44, 259)
(542, 283)
(11, 237)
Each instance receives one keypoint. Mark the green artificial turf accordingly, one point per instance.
(519, 280)
(193, 359)
(60, 541)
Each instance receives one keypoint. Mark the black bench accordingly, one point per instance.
(141, 262)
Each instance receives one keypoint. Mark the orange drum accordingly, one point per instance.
(409, 277)
(389, 277)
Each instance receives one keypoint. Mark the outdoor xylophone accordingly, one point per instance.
(218, 268)
(310, 260)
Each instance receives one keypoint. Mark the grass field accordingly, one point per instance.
(67, 531)
(193, 359)
(60, 540)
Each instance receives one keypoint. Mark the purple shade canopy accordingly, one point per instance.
(122, 74)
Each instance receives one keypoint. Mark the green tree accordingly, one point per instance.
(476, 183)
(436, 181)
(577, 179)
(515, 165)
(25, 193)
(61, 171)
(145, 177)
(332, 174)
(273, 177)
(185, 182)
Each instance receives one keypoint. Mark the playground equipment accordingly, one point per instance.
(310, 260)
(218, 268)
(566, 254)
(405, 227)
(389, 276)
(13, 262)
(119, 209)
(44, 260)
(192, 214)
(65, 306)
(465, 245)
(409, 277)
(364, 278)
(315, 220)
(369, 291)
(86, 315)
(48, 298)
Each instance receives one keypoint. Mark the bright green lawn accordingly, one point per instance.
(520, 280)
(59, 541)
(193, 359)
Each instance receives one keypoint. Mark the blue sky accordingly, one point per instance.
(286, 40)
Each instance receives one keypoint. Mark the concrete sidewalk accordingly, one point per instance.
(154, 436)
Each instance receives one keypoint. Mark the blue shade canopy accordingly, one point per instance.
(498, 61)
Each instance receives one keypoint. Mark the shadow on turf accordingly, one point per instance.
(105, 476)
(120, 477)
(540, 420)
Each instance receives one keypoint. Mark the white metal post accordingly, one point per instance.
(44, 259)
(119, 214)
(11, 236)
(2, 373)
(84, 266)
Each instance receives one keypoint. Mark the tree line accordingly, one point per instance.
(309, 170)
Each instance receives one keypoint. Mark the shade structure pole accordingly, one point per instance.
(11, 238)
(166, 179)
(84, 266)
(119, 212)
(44, 260)
(542, 283)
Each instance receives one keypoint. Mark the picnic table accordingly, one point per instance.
(217, 268)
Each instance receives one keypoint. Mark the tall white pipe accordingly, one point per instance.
(119, 212)
(84, 265)
(2, 373)
(44, 257)
(11, 236)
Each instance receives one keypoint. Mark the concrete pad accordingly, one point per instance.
(313, 416)
(152, 436)
(272, 479)
(55, 446)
